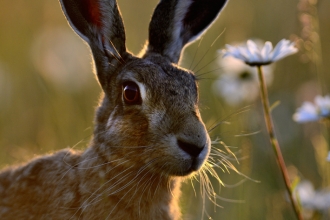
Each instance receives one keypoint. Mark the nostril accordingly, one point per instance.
(192, 149)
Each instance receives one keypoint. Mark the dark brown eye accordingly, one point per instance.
(131, 93)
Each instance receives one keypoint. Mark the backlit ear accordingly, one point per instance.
(178, 22)
(100, 24)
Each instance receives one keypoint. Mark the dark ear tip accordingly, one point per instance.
(82, 12)
(208, 10)
(178, 22)
(90, 18)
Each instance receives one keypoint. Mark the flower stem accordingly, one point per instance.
(274, 142)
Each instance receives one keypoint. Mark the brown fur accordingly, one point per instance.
(68, 188)
(139, 152)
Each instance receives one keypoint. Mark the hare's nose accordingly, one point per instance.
(192, 149)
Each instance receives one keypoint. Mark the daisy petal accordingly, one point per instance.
(252, 55)
(318, 110)
(265, 52)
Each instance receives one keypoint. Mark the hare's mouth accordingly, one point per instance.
(193, 166)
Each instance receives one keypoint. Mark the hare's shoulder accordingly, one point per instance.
(47, 181)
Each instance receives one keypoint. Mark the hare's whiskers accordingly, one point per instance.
(235, 184)
(99, 165)
(199, 44)
(140, 171)
(146, 185)
(206, 66)
(198, 77)
(222, 121)
(127, 184)
(89, 201)
(117, 203)
(94, 193)
(208, 50)
(152, 184)
(97, 198)
(159, 182)
(129, 201)
(192, 184)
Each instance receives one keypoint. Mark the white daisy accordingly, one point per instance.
(253, 55)
(238, 82)
(318, 110)
(310, 198)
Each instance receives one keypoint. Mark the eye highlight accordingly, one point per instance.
(131, 93)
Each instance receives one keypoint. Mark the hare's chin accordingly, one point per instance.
(193, 166)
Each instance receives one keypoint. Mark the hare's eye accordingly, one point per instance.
(131, 93)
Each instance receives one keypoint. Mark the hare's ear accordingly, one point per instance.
(177, 22)
(100, 24)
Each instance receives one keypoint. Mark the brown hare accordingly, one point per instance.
(148, 131)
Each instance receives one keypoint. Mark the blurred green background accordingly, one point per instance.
(48, 95)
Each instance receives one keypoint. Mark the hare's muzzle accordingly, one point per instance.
(194, 143)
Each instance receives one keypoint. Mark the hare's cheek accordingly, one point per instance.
(127, 120)
(156, 119)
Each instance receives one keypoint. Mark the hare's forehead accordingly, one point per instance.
(157, 82)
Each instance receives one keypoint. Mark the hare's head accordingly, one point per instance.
(149, 113)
